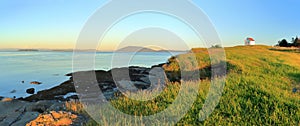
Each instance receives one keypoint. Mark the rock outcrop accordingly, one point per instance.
(109, 82)
(53, 93)
(54, 118)
(19, 113)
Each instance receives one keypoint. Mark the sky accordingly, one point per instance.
(56, 24)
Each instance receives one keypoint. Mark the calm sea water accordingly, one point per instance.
(50, 68)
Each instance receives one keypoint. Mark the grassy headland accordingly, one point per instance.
(259, 89)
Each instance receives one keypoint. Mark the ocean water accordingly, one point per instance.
(50, 67)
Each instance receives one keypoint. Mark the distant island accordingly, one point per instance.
(124, 49)
(29, 50)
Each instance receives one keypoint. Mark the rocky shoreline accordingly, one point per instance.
(81, 85)
(22, 111)
(110, 82)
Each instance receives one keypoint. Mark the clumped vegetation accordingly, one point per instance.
(294, 43)
(258, 90)
(74, 106)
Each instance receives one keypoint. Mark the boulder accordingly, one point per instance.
(36, 82)
(30, 91)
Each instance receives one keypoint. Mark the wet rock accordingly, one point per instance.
(13, 91)
(51, 94)
(72, 97)
(30, 91)
(36, 82)
(88, 83)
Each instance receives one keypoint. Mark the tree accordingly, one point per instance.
(283, 43)
(216, 46)
(296, 42)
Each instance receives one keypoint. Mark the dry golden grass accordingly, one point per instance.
(74, 106)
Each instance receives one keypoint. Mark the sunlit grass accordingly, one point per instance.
(258, 91)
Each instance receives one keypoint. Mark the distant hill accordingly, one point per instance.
(143, 49)
(135, 49)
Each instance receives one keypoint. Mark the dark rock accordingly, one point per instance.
(141, 85)
(44, 105)
(13, 91)
(73, 97)
(23, 82)
(50, 94)
(88, 87)
(36, 82)
(30, 91)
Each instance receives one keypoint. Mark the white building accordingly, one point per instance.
(249, 41)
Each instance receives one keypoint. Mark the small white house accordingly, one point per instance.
(249, 41)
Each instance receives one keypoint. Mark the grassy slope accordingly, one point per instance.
(258, 89)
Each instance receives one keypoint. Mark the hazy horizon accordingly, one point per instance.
(57, 24)
(53, 49)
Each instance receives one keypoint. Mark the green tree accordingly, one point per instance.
(296, 42)
(283, 43)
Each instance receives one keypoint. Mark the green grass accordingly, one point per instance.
(258, 90)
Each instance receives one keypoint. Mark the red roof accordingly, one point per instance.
(250, 39)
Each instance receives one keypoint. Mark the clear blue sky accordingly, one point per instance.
(57, 23)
